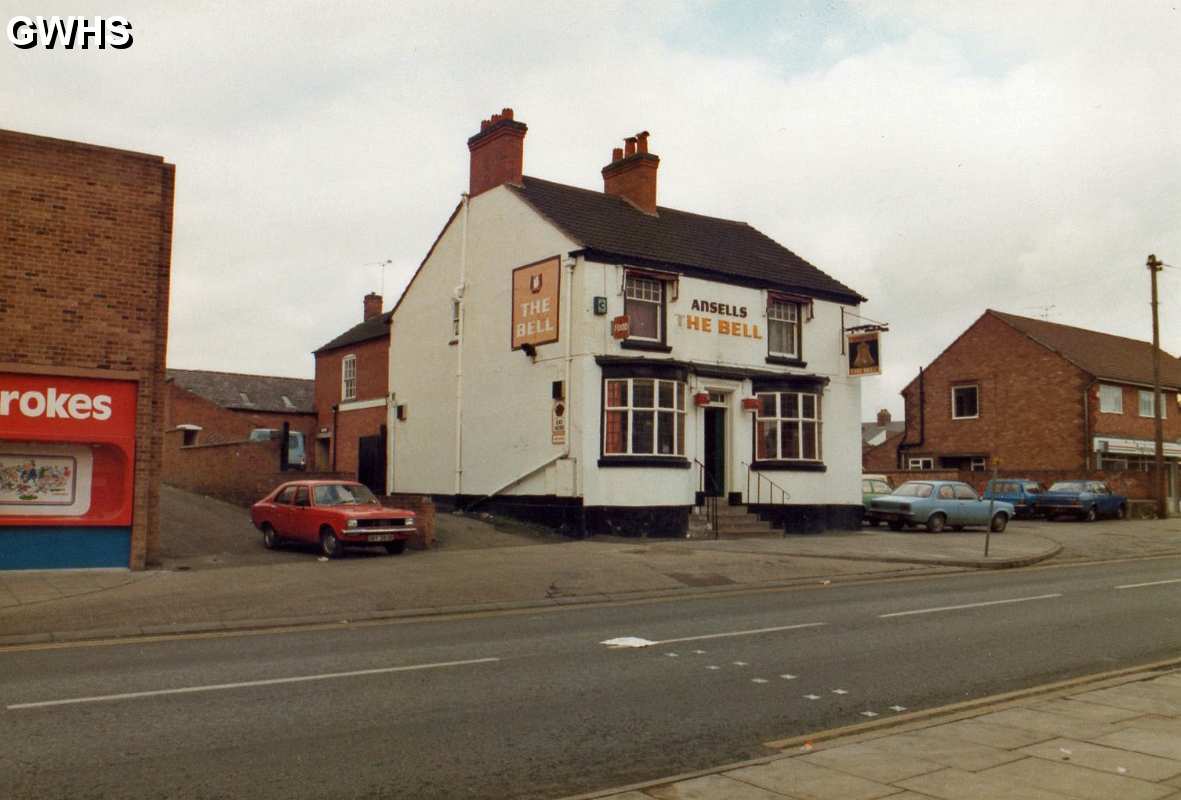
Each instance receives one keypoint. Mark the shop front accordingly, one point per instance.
(67, 471)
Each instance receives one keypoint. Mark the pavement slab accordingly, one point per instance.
(999, 736)
(1149, 699)
(954, 784)
(1073, 780)
(710, 787)
(866, 761)
(1149, 742)
(960, 754)
(1106, 759)
(796, 778)
(1045, 722)
(1080, 709)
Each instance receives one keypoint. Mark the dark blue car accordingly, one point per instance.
(1021, 492)
(1086, 500)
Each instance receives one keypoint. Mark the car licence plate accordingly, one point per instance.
(381, 537)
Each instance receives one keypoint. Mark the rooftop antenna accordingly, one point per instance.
(383, 265)
(1045, 310)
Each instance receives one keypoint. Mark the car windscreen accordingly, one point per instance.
(1069, 486)
(340, 494)
(911, 489)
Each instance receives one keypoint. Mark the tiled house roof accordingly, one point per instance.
(1113, 358)
(372, 328)
(609, 226)
(248, 392)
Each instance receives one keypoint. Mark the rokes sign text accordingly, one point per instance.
(53, 404)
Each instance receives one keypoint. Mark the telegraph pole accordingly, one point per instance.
(1162, 511)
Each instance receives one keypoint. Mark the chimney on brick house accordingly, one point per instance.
(372, 305)
(632, 173)
(498, 152)
(883, 418)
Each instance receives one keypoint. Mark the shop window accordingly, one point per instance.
(1111, 399)
(348, 378)
(783, 329)
(1147, 406)
(644, 306)
(965, 402)
(787, 427)
(643, 417)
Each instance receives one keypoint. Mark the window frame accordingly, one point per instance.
(1150, 395)
(975, 387)
(661, 308)
(345, 363)
(1119, 398)
(456, 318)
(800, 421)
(659, 413)
(928, 461)
(798, 323)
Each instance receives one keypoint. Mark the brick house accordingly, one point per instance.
(352, 386)
(1043, 400)
(875, 434)
(204, 407)
(84, 266)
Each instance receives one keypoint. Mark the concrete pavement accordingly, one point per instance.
(1115, 738)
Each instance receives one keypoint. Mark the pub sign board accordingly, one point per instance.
(536, 295)
(864, 354)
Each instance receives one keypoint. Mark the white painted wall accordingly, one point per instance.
(507, 396)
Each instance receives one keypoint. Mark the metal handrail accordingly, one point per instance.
(772, 486)
(710, 501)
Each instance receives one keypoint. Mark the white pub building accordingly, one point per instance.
(602, 364)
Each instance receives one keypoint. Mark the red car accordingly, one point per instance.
(331, 513)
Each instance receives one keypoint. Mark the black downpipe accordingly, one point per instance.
(904, 445)
(284, 442)
(335, 431)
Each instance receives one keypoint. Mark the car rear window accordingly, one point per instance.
(914, 489)
(1069, 486)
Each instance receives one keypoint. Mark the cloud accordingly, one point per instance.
(939, 159)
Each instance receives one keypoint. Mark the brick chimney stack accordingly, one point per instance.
(883, 417)
(372, 305)
(632, 173)
(498, 152)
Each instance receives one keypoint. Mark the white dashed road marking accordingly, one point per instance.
(869, 713)
(968, 605)
(789, 677)
(1151, 583)
(758, 680)
(812, 696)
(840, 691)
(636, 641)
(897, 708)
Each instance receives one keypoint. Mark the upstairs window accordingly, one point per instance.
(921, 462)
(1111, 399)
(644, 305)
(348, 378)
(965, 402)
(783, 329)
(1148, 407)
(787, 427)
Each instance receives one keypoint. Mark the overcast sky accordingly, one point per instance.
(939, 157)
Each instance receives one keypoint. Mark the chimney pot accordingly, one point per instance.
(642, 141)
(630, 142)
(506, 113)
(632, 175)
(617, 154)
(884, 417)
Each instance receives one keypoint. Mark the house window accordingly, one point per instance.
(923, 462)
(783, 328)
(190, 437)
(348, 378)
(787, 427)
(965, 402)
(1147, 406)
(455, 314)
(644, 306)
(979, 464)
(643, 416)
(1111, 399)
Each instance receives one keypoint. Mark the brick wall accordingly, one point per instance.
(237, 472)
(1030, 402)
(373, 370)
(219, 424)
(84, 266)
(1129, 424)
(424, 510)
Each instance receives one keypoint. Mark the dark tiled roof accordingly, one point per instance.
(1114, 358)
(263, 392)
(372, 328)
(609, 225)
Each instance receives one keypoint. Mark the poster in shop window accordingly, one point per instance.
(44, 480)
(864, 354)
(535, 303)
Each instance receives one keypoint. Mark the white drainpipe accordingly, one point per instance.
(460, 290)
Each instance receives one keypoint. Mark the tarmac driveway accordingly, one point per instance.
(198, 532)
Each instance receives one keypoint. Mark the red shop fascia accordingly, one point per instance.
(67, 451)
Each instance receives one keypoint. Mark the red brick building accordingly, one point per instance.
(352, 390)
(1044, 400)
(204, 407)
(84, 266)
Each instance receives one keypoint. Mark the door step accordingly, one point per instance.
(733, 522)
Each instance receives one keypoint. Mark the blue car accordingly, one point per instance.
(937, 505)
(1086, 500)
(1021, 492)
